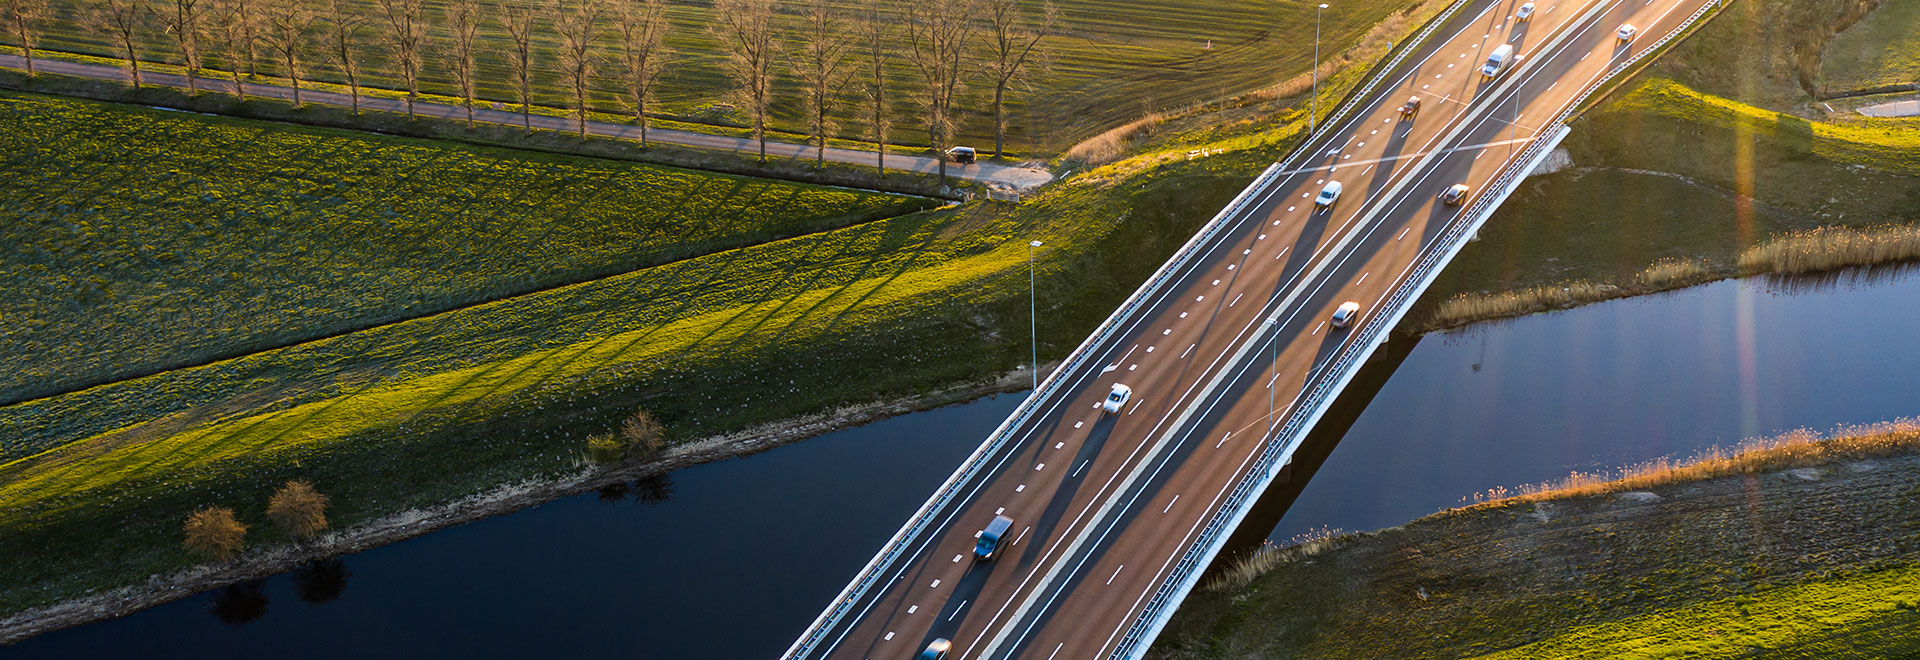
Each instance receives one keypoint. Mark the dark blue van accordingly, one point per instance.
(991, 538)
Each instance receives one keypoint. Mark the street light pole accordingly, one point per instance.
(1314, 103)
(1273, 325)
(1033, 315)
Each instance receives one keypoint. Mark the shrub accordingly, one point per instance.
(641, 435)
(298, 509)
(215, 534)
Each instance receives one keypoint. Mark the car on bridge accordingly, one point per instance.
(1411, 107)
(1627, 30)
(1524, 13)
(1328, 195)
(936, 650)
(1344, 314)
(1117, 398)
(991, 538)
(1498, 62)
(1452, 196)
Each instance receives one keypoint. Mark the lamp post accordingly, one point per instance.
(1273, 325)
(1033, 315)
(1314, 103)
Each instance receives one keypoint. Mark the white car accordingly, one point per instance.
(1626, 32)
(1524, 14)
(1328, 195)
(1452, 196)
(1343, 315)
(1498, 61)
(1117, 398)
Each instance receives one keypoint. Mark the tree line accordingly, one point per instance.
(835, 51)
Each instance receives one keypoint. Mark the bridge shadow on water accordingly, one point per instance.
(1313, 452)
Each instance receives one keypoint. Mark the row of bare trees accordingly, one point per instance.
(825, 46)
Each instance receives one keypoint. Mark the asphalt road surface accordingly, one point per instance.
(1103, 504)
(1013, 176)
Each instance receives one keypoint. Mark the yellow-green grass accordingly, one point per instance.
(1830, 248)
(1798, 547)
(1882, 49)
(430, 409)
(1765, 52)
(1745, 176)
(1113, 60)
(1869, 615)
(141, 240)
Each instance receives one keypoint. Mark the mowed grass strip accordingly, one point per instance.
(1112, 61)
(140, 240)
(1882, 49)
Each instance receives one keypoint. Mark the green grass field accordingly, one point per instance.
(1112, 61)
(1883, 49)
(95, 483)
(1756, 564)
(142, 239)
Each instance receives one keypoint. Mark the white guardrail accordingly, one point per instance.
(967, 470)
(1319, 397)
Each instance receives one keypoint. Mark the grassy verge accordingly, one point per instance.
(1617, 223)
(1110, 61)
(146, 240)
(1882, 49)
(1799, 547)
(428, 410)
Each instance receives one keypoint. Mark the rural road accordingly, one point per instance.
(1222, 350)
(1011, 176)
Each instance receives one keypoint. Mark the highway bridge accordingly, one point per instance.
(1230, 352)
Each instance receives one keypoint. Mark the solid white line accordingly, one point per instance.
(1116, 573)
(1176, 498)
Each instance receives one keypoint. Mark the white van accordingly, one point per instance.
(1498, 62)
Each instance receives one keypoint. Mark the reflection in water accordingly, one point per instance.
(321, 581)
(240, 603)
(651, 491)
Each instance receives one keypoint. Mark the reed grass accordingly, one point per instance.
(1249, 567)
(1830, 248)
(1793, 449)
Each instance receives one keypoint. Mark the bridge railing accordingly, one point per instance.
(1341, 368)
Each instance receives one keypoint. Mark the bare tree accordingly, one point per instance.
(518, 22)
(298, 509)
(643, 53)
(182, 21)
(1011, 46)
(878, 33)
(937, 36)
(406, 32)
(234, 29)
(745, 30)
(463, 28)
(343, 28)
(215, 533)
(123, 22)
(288, 23)
(578, 24)
(24, 18)
(822, 67)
